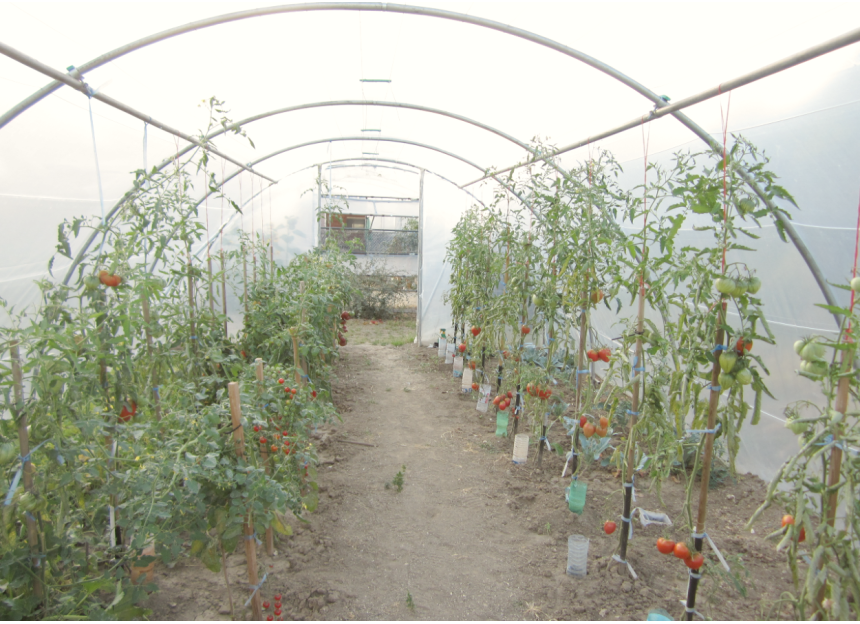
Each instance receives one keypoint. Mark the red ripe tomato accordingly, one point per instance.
(278, 596)
(472, 365)
(344, 316)
(741, 346)
(243, 353)
(787, 519)
(476, 331)
(462, 348)
(109, 280)
(273, 448)
(505, 355)
(286, 433)
(525, 330)
(125, 415)
(286, 450)
(497, 400)
(277, 605)
(475, 385)
(270, 618)
(592, 355)
(294, 390)
(604, 354)
(503, 405)
(314, 393)
(596, 296)
(510, 394)
(802, 536)
(281, 381)
(604, 422)
(601, 432)
(609, 527)
(681, 551)
(582, 421)
(548, 392)
(262, 440)
(588, 430)
(256, 428)
(665, 546)
(695, 562)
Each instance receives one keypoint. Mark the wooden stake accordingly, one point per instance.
(713, 404)
(631, 441)
(224, 292)
(191, 323)
(27, 469)
(227, 580)
(264, 452)
(147, 319)
(304, 362)
(841, 406)
(245, 280)
(211, 287)
(250, 541)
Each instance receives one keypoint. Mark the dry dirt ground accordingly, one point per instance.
(471, 536)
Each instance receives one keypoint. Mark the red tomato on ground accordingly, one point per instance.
(609, 527)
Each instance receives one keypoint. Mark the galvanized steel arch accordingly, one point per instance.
(466, 19)
(524, 201)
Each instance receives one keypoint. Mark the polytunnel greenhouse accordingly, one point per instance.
(355, 310)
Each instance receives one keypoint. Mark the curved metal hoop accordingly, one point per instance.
(466, 19)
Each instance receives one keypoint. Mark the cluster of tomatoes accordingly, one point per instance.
(344, 317)
(290, 392)
(681, 551)
(109, 279)
(787, 520)
(507, 354)
(536, 390)
(503, 401)
(603, 354)
(276, 613)
(589, 428)
(286, 449)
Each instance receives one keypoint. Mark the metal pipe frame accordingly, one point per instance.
(365, 161)
(235, 126)
(84, 88)
(657, 100)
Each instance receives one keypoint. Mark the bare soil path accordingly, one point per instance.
(471, 536)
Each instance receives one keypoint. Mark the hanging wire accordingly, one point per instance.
(98, 171)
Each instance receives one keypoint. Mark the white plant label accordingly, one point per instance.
(458, 366)
(484, 398)
(443, 346)
(449, 353)
(466, 386)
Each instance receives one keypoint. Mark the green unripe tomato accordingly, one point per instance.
(836, 417)
(724, 285)
(797, 427)
(7, 453)
(91, 282)
(726, 381)
(855, 284)
(798, 346)
(537, 300)
(812, 351)
(744, 377)
(753, 285)
(746, 205)
(728, 359)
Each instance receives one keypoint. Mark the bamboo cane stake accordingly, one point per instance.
(248, 526)
(264, 453)
(27, 467)
(147, 319)
(302, 287)
(245, 278)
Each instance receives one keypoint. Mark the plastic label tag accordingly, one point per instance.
(484, 398)
(458, 366)
(466, 386)
(449, 354)
(443, 347)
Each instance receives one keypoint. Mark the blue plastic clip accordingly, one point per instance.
(714, 430)
(719, 348)
(256, 588)
(632, 413)
(715, 388)
(17, 478)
